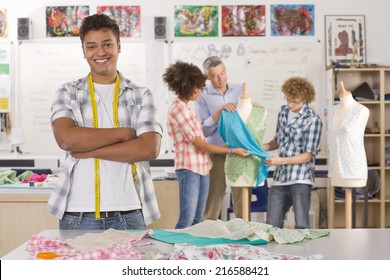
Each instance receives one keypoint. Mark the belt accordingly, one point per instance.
(103, 214)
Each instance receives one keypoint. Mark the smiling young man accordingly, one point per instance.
(108, 127)
(297, 137)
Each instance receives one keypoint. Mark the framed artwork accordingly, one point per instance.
(292, 20)
(65, 21)
(345, 39)
(128, 19)
(196, 21)
(3, 23)
(243, 20)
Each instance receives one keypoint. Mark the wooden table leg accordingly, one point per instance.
(348, 208)
(245, 204)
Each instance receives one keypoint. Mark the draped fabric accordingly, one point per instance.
(236, 134)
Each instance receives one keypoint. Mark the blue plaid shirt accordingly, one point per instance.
(136, 109)
(301, 135)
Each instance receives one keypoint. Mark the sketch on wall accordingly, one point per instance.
(263, 66)
(243, 20)
(196, 21)
(292, 20)
(128, 19)
(65, 21)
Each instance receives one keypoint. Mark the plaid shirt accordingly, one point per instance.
(301, 135)
(136, 109)
(183, 127)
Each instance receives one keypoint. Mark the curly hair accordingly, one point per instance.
(97, 22)
(299, 88)
(183, 79)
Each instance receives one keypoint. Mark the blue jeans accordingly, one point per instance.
(281, 198)
(133, 220)
(193, 192)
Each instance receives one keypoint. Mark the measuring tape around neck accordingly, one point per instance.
(96, 125)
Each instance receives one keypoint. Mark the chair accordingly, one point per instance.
(258, 205)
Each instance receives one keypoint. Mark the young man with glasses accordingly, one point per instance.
(297, 137)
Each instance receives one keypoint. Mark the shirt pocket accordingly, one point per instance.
(132, 116)
(76, 109)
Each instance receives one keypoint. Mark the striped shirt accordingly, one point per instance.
(136, 109)
(183, 127)
(302, 134)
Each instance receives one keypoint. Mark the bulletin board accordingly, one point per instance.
(264, 66)
(43, 67)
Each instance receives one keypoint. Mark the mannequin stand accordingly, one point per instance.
(350, 208)
(246, 216)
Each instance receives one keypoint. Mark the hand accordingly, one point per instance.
(241, 152)
(230, 107)
(274, 160)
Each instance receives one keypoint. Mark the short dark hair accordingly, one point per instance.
(96, 22)
(183, 78)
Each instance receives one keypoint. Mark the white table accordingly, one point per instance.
(341, 244)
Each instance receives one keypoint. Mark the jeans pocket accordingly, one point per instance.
(134, 220)
(68, 223)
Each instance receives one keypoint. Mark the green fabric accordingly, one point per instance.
(9, 177)
(181, 237)
(236, 166)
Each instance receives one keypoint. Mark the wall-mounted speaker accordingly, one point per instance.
(24, 29)
(160, 28)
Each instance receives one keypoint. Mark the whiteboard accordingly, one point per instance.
(43, 67)
(263, 66)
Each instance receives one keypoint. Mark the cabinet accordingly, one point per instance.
(376, 139)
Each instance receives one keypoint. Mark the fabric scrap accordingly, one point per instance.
(231, 252)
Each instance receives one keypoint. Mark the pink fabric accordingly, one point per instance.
(35, 178)
(123, 251)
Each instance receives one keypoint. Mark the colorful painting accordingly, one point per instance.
(196, 21)
(3, 23)
(292, 20)
(65, 21)
(345, 40)
(243, 21)
(127, 17)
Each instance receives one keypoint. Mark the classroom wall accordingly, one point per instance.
(377, 30)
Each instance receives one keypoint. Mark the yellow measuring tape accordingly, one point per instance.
(96, 125)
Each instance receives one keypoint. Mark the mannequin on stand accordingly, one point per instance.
(347, 156)
(244, 173)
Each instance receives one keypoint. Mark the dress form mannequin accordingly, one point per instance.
(244, 109)
(346, 129)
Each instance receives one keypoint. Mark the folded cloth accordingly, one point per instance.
(94, 241)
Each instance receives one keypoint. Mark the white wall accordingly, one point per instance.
(376, 12)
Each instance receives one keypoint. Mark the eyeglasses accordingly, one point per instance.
(292, 102)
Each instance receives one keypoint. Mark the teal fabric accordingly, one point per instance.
(236, 134)
(182, 237)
